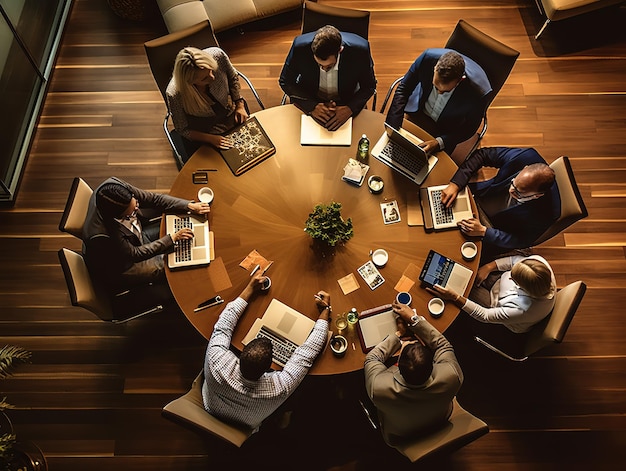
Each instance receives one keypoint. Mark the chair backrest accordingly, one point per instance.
(572, 205)
(315, 15)
(461, 429)
(162, 51)
(83, 292)
(190, 409)
(552, 329)
(495, 58)
(75, 212)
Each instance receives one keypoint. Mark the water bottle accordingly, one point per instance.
(363, 148)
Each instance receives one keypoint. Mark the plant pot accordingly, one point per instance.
(28, 457)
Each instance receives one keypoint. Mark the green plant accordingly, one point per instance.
(326, 224)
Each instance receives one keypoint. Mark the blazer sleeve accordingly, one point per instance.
(362, 62)
(375, 361)
(292, 77)
(405, 89)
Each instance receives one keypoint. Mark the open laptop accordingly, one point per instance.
(400, 151)
(314, 134)
(436, 215)
(441, 270)
(284, 326)
(193, 252)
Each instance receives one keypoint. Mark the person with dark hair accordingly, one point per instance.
(131, 251)
(243, 389)
(416, 395)
(329, 75)
(515, 207)
(444, 93)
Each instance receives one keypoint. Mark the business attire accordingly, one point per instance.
(461, 115)
(406, 410)
(300, 76)
(510, 225)
(119, 254)
(218, 112)
(230, 396)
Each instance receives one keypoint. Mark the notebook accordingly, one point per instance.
(283, 321)
(314, 134)
(400, 151)
(436, 215)
(192, 252)
(441, 270)
(251, 145)
(376, 324)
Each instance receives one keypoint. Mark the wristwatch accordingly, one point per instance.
(415, 319)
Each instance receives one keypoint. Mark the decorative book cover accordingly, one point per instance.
(251, 145)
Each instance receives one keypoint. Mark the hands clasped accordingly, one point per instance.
(331, 116)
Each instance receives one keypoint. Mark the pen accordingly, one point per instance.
(219, 301)
(206, 170)
(254, 270)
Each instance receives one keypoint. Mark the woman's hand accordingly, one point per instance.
(446, 294)
(220, 142)
(483, 272)
(240, 112)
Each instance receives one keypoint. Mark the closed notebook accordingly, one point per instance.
(251, 145)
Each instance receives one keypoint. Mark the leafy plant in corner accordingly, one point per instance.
(326, 224)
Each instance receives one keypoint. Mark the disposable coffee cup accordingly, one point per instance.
(404, 298)
(205, 194)
(436, 307)
(267, 282)
(469, 250)
(338, 345)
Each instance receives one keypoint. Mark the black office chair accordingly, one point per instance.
(76, 207)
(161, 53)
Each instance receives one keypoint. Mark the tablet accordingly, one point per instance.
(375, 325)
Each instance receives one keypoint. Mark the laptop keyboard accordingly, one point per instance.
(442, 215)
(282, 349)
(400, 155)
(183, 247)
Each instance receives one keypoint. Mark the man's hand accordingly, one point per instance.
(472, 227)
(430, 146)
(449, 193)
(199, 208)
(322, 301)
(403, 310)
(253, 286)
(184, 233)
(323, 112)
(342, 113)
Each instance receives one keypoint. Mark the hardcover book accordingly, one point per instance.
(251, 145)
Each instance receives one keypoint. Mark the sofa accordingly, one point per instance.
(556, 10)
(222, 14)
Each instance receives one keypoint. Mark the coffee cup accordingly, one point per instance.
(380, 257)
(404, 297)
(205, 195)
(338, 345)
(265, 285)
(436, 307)
(375, 184)
(469, 250)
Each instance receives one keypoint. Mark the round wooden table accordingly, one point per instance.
(265, 209)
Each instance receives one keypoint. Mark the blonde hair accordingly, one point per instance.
(532, 276)
(188, 61)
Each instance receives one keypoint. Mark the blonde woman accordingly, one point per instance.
(204, 97)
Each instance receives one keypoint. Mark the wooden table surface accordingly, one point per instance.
(265, 209)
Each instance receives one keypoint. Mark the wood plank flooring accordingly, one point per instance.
(92, 397)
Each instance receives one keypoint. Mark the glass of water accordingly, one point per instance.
(341, 322)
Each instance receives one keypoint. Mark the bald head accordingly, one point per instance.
(537, 178)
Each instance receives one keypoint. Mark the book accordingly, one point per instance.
(354, 172)
(251, 145)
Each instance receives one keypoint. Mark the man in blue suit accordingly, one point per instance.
(329, 75)
(516, 206)
(445, 94)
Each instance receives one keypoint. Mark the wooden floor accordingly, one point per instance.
(92, 397)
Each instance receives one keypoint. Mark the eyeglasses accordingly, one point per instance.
(519, 196)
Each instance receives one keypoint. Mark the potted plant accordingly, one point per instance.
(326, 225)
(15, 455)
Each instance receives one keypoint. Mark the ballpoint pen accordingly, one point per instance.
(254, 270)
(211, 302)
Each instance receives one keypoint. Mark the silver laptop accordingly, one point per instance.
(400, 151)
(442, 217)
(287, 327)
(192, 252)
(441, 270)
(314, 134)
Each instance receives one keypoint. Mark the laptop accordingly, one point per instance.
(400, 151)
(436, 215)
(287, 329)
(193, 252)
(441, 270)
(314, 134)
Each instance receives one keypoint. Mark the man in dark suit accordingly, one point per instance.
(445, 94)
(329, 75)
(516, 206)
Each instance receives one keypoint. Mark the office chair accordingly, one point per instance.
(495, 58)
(572, 205)
(462, 428)
(117, 308)
(550, 330)
(161, 53)
(75, 212)
(189, 409)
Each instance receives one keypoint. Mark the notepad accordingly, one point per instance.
(313, 134)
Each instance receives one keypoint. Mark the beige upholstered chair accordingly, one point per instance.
(553, 328)
(555, 10)
(572, 205)
(189, 408)
(75, 211)
(89, 295)
(462, 428)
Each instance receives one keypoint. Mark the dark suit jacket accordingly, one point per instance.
(463, 112)
(300, 75)
(517, 226)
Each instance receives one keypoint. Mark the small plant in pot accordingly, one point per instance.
(326, 225)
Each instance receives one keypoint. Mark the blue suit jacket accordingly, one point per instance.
(517, 226)
(300, 75)
(463, 112)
